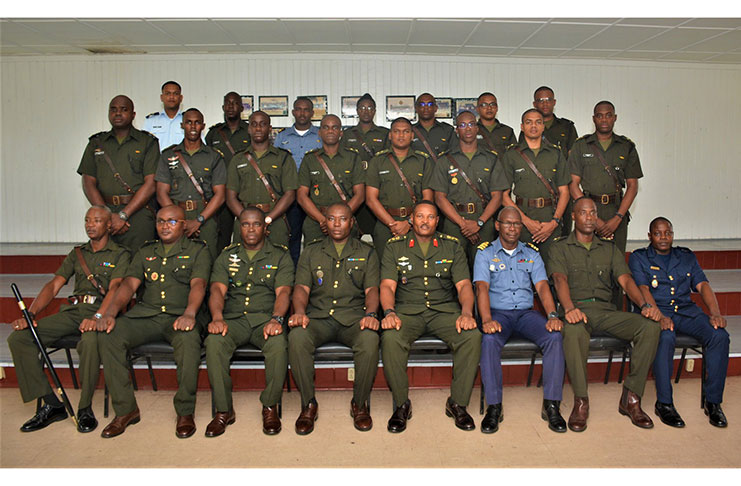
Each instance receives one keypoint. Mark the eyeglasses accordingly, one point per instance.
(545, 100)
(493, 104)
(509, 224)
(423, 104)
(169, 222)
(366, 108)
(464, 125)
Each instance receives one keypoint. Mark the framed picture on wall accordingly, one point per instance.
(397, 106)
(463, 104)
(349, 106)
(320, 106)
(248, 102)
(444, 107)
(274, 105)
(274, 132)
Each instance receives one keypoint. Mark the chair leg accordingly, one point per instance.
(151, 373)
(609, 365)
(288, 381)
(702, 380)
(622, 366)
(681, 365)
(71, 369)
(481, 400)
(540, 380)
(133, 375)
(530, 370)
(105, 401)
(280, 408)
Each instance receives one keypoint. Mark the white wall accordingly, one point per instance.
(683, 118)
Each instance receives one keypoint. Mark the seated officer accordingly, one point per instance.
(667, 276)
(173, 272)
(583, 269)
(104, 261)
(419, 273)
(504, 272)
(250, 293)
(335, 300)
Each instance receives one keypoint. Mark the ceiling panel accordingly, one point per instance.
(133, 31)
(502, 34)
(194, 31)
(730, 57)
(676, 39)
(668, 22)
(733, 23)
(66, 31)
(534, 52)
(485, 51)
(639, 55)
(621, 37)
(374, 31)
(256, 31)
(318, 31)
(724, 42)
(686, 56)
(15, 33)
(562, 35)
(585, 21)
(590, 53)
(378, 48)
(426, 49)
(437, 32)
(324, 47)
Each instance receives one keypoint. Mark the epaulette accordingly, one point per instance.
(383, 152)
(148, 243)
(282, 247)
(558, 238)
(96, 135)
(549, 143)
(352, 149)
(683, 249)
(281, 148)
(510, 146)
(424, 154)
(583, 136)
(493, 151)
(443, 153)
(315, 240)
(484, 245)
(566, 120)
(217, 150)
(170, 147)
(196, 240)
(153, 114)
(232, 246)
(532, 246)
(624, 138)
(312, 151)
(448, 237)
(394, 239)
(150, 134)
(215, 125)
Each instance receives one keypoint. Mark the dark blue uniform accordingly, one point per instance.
(671, 282)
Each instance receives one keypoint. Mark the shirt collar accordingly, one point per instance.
(497, 245)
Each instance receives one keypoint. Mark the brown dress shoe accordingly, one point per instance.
(119, 424)
(361, 416)
(270, 420)
(307, 417)
(579, 415)
(219, 423)
(185, 426)
(630, 405)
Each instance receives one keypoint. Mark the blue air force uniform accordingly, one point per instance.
(167, 130)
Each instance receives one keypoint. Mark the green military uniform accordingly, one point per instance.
(106, 264)
(496, 138)
(209, 170)
(532, 197)
(368, 144)
(217, 137)
(392, 193)
(446, 178)
(248, 307)
(134, 158)
(440, 137)
(592, 274)
(426, 303)
(347, 169)
(166, 278)
(279, 169)
(337, 287)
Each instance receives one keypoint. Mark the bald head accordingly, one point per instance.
(584, 202)
(509, 212)
(122, 100)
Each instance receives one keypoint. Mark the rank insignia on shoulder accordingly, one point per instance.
(384, 151)
(395, 238)
(533, 246)
(484, 245)
(283, 247)
(448, 237)
(423, 154)
(153, 114)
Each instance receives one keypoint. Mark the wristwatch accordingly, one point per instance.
(386, 312)
(553, 315)
(374, 315)
(268, 220)
(123, 216)
(620, 215)
(646, 306)
(480, 223)
(280, 319)
(557, 220)
(200, 219)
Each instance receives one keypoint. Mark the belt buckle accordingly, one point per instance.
(604, 199)
(89, 299)
(116, 200)
(403, 212)
(190, 205)
(72, 299)
(470, 208)
(540, 202)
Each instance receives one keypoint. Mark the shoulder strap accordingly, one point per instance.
(116, 174)
(483, 134)
(262, 177)
(608, 169)
(425, 143)
(86, 269)
(186, 167)
(226, 140)
(331, 177)
(403, 178)
(362, 141)
(537, 173)
(467, 179)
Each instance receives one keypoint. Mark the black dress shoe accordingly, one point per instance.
(493, 416)
(463, 420)
(668, 414)
(714, 413)
(551, 413)
(86, 421)
(398, 421)
(44, 416)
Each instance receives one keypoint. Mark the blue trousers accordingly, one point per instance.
(716, 343)
(530, 324)
(295, 215)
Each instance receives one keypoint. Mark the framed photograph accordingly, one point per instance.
(320, 106)
(397, 106)
(350, 106)
(444, 107)
(274, 132)
(248, 101)
(274, 105)
(463, 104)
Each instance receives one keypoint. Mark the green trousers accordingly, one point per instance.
(620, 238)
(219, 351)
(130, 332)
(303, 342)
(32, 380)
(466, 348)
(602, 316)
(141, 228)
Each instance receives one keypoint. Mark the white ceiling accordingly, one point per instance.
(711, 40)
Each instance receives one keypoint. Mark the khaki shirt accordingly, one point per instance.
(416, 167)
(621, 155)
(337, 285)
(206, 164)
(276, 164)
(239, 139)
(346, 167)
(440, 138)
(480, 169)
(367, 144)
(498, 138)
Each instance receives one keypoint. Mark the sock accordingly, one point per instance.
(52, 400)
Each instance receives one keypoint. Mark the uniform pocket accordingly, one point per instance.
(182, 274)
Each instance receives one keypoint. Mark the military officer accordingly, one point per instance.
(504, 273)
(192, 175)
(250, 293)
(397, 179)
(419, 271)
(494, 135)
(117, 170)
(536, 172)
(583, 269)
(173, 272)
(106, 263)
(263, 176)
(463, 190)
(166, 125)
(431, 136)
(228, 137)
(335, 299)
(328, 175)
(368, 139)
(666, 276)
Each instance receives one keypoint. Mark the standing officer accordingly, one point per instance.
(496, 136)
(173, 272)
(117, 170)
(250, 293)
(418, 274)
(298, 139)
(335, 300)
(98, 267)
(430, 135)
(583, 269)
(167, 125)
(368, 139)
(667, 276)
(228, 137)
(504, 273)
(263, 176)
(328, 175)
(397, 179)
(536, 172)
(192, 175)
(463, 189)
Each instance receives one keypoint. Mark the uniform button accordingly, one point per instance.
(426, 294)
(338, 265)
(427, 304)
(334, 301)
(164, 309)
(164, 261)
(331, 311)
